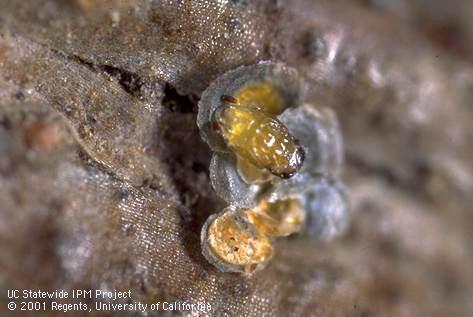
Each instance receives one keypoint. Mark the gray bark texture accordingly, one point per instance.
(104, 177)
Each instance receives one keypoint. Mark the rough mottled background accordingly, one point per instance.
(103, 177)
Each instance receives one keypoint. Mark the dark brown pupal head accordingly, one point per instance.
(230, 99)
(296, 163)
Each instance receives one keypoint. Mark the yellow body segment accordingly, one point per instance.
(259, 138)
(286, 217)
(261, 95)
(250, 173)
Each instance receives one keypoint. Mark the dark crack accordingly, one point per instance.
(129, 81)
(176, 102)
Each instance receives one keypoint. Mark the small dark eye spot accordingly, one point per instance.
(229, 99)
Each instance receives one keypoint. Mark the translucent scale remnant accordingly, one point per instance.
(233, 244)
(269, 87)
